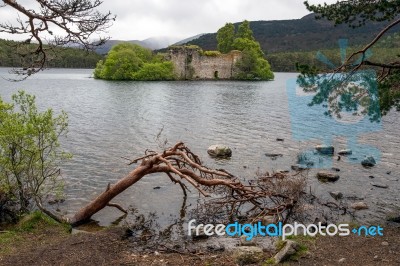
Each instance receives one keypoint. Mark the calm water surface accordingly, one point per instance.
(110, 120)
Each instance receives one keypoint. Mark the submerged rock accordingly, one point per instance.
(219, 150)
(336, 195)
(379, 185)
(327, 177)
(345, 152)
(359, 206)
(272, 155)
(354, 197)
(326, 150)
(279, 171)
(368, 162)
(299, 167)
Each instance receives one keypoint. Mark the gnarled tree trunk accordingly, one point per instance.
(185, 168)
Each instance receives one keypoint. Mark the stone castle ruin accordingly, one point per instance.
(190, 63)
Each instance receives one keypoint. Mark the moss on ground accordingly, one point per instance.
(29, 227)
(304, 245)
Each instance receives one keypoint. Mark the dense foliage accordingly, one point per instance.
(225, 37)
(30, 154)
(126, 61)
(59, 57)
(252, 65)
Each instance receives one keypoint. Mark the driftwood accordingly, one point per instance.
(267, 195)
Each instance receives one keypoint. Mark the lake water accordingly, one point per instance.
(110, 120)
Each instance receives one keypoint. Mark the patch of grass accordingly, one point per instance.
(279, 244)
(212, 53)
(35, 223)
(32, 221)
(269, 261)
(38, 220)
(303, 249)
(7, 237)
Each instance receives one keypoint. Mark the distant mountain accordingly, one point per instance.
(188, 39)
(305, 34)
(103, 49)
(153, 43)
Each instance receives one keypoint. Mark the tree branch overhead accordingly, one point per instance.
(54, 23)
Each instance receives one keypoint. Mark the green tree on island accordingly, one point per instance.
(127, 61)
(225, 38)
(252, 65)
(244, 31)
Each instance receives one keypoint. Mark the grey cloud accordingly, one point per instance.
(140, 19)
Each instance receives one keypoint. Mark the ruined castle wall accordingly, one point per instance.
(189, 63)
(179, 58)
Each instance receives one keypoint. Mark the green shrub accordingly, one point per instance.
(127, 61)
(155, 71)
(30, 154)
(212, 53)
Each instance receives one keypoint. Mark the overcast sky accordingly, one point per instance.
(141, 19)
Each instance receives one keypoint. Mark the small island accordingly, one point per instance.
(239, 57)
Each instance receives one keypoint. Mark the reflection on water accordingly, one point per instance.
(110, 120)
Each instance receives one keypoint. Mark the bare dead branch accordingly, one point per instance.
(119, 207)
(274, 194)
(362, 52)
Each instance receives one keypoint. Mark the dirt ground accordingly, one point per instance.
(51, 246)
(355, 250)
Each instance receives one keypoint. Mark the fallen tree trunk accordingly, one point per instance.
(185, 168)
(112, 191)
